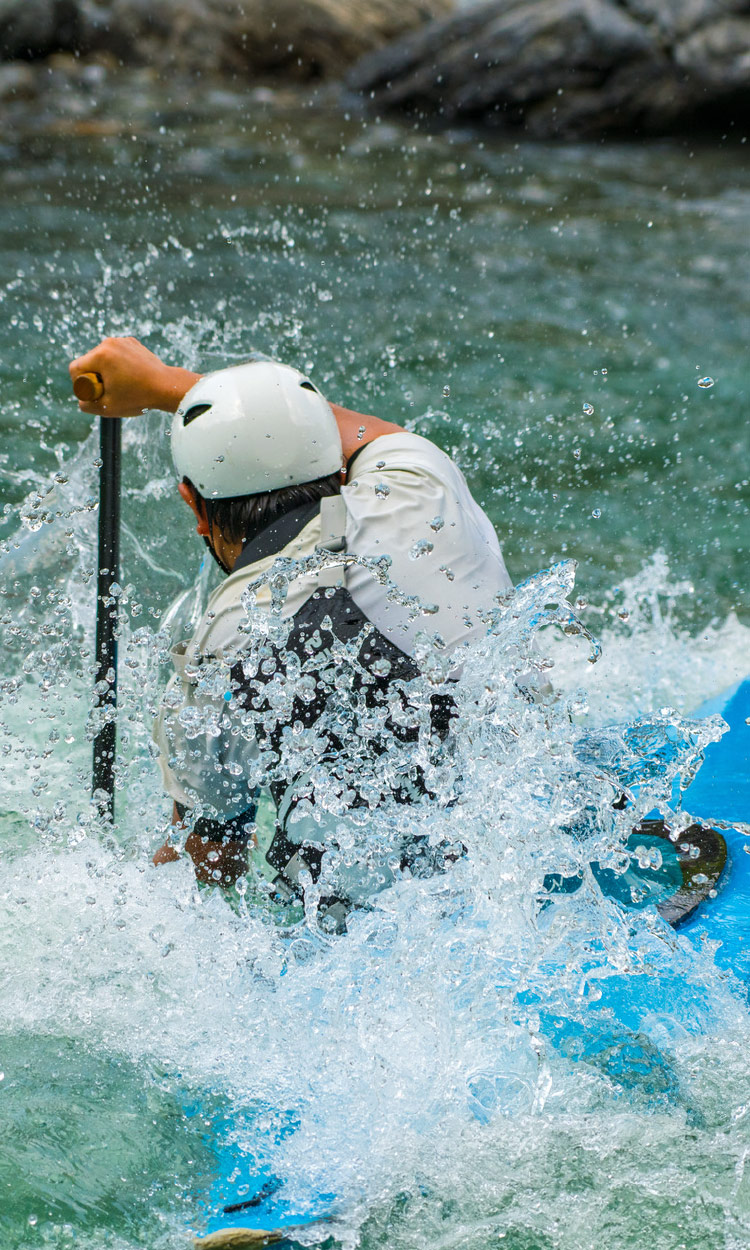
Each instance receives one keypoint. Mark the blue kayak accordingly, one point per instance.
(721, 791)
(706, 895)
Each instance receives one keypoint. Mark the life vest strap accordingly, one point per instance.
(332, 539)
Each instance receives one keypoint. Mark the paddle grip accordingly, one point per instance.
(88, 387)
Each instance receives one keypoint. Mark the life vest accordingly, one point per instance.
(354, 698)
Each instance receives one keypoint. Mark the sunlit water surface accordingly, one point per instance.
(467, 1070)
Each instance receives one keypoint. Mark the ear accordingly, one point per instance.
(192, 499)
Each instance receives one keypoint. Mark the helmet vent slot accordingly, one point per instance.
(196, 411)
(308, 386)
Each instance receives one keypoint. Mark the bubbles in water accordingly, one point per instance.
(596, 513)
(446, 392)
(705, 383)
(588, 409)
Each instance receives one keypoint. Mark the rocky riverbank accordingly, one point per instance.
(298, 40)
(573, 68)
(544, 68)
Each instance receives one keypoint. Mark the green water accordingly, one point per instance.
(477, 290)
(395, 264)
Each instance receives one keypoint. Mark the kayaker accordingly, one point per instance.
(273, 472)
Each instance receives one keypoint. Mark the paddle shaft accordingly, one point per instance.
(105, 694)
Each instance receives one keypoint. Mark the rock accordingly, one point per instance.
(675, 18)
(17, 81)
(571, 68)
(34, 28)
(298, 38)
(719, 53)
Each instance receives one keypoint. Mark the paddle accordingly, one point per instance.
(89, 388)
(253, 1238)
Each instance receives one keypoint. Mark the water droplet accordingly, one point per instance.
(382, 491)
(588, 409)
(360, 433)
(437, 523)
(325, 296)
(705, 383)
(604, 373)
(33, 1220)
(596, 513)
(577, 453)
(421, 548)
(446, 392)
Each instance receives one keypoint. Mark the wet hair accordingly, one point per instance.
(241, 517)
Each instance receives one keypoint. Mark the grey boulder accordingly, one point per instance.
(570, 68)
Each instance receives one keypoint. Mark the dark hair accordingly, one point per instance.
(243, 516)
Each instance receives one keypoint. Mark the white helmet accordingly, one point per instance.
(254, 428)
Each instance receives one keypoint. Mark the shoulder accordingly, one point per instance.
(402, 453)
(229, 617)
(221, 631)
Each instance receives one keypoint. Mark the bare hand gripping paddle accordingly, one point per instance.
(89, 387)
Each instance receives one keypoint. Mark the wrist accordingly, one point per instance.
(173, 384)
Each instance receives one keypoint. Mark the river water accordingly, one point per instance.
(570, 323)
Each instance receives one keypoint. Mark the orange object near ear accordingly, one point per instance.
(88, 387)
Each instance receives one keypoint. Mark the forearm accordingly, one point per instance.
(218, 858)
(217, 863)
(175, 383)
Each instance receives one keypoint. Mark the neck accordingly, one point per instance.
(224, 551)
(356, 430)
